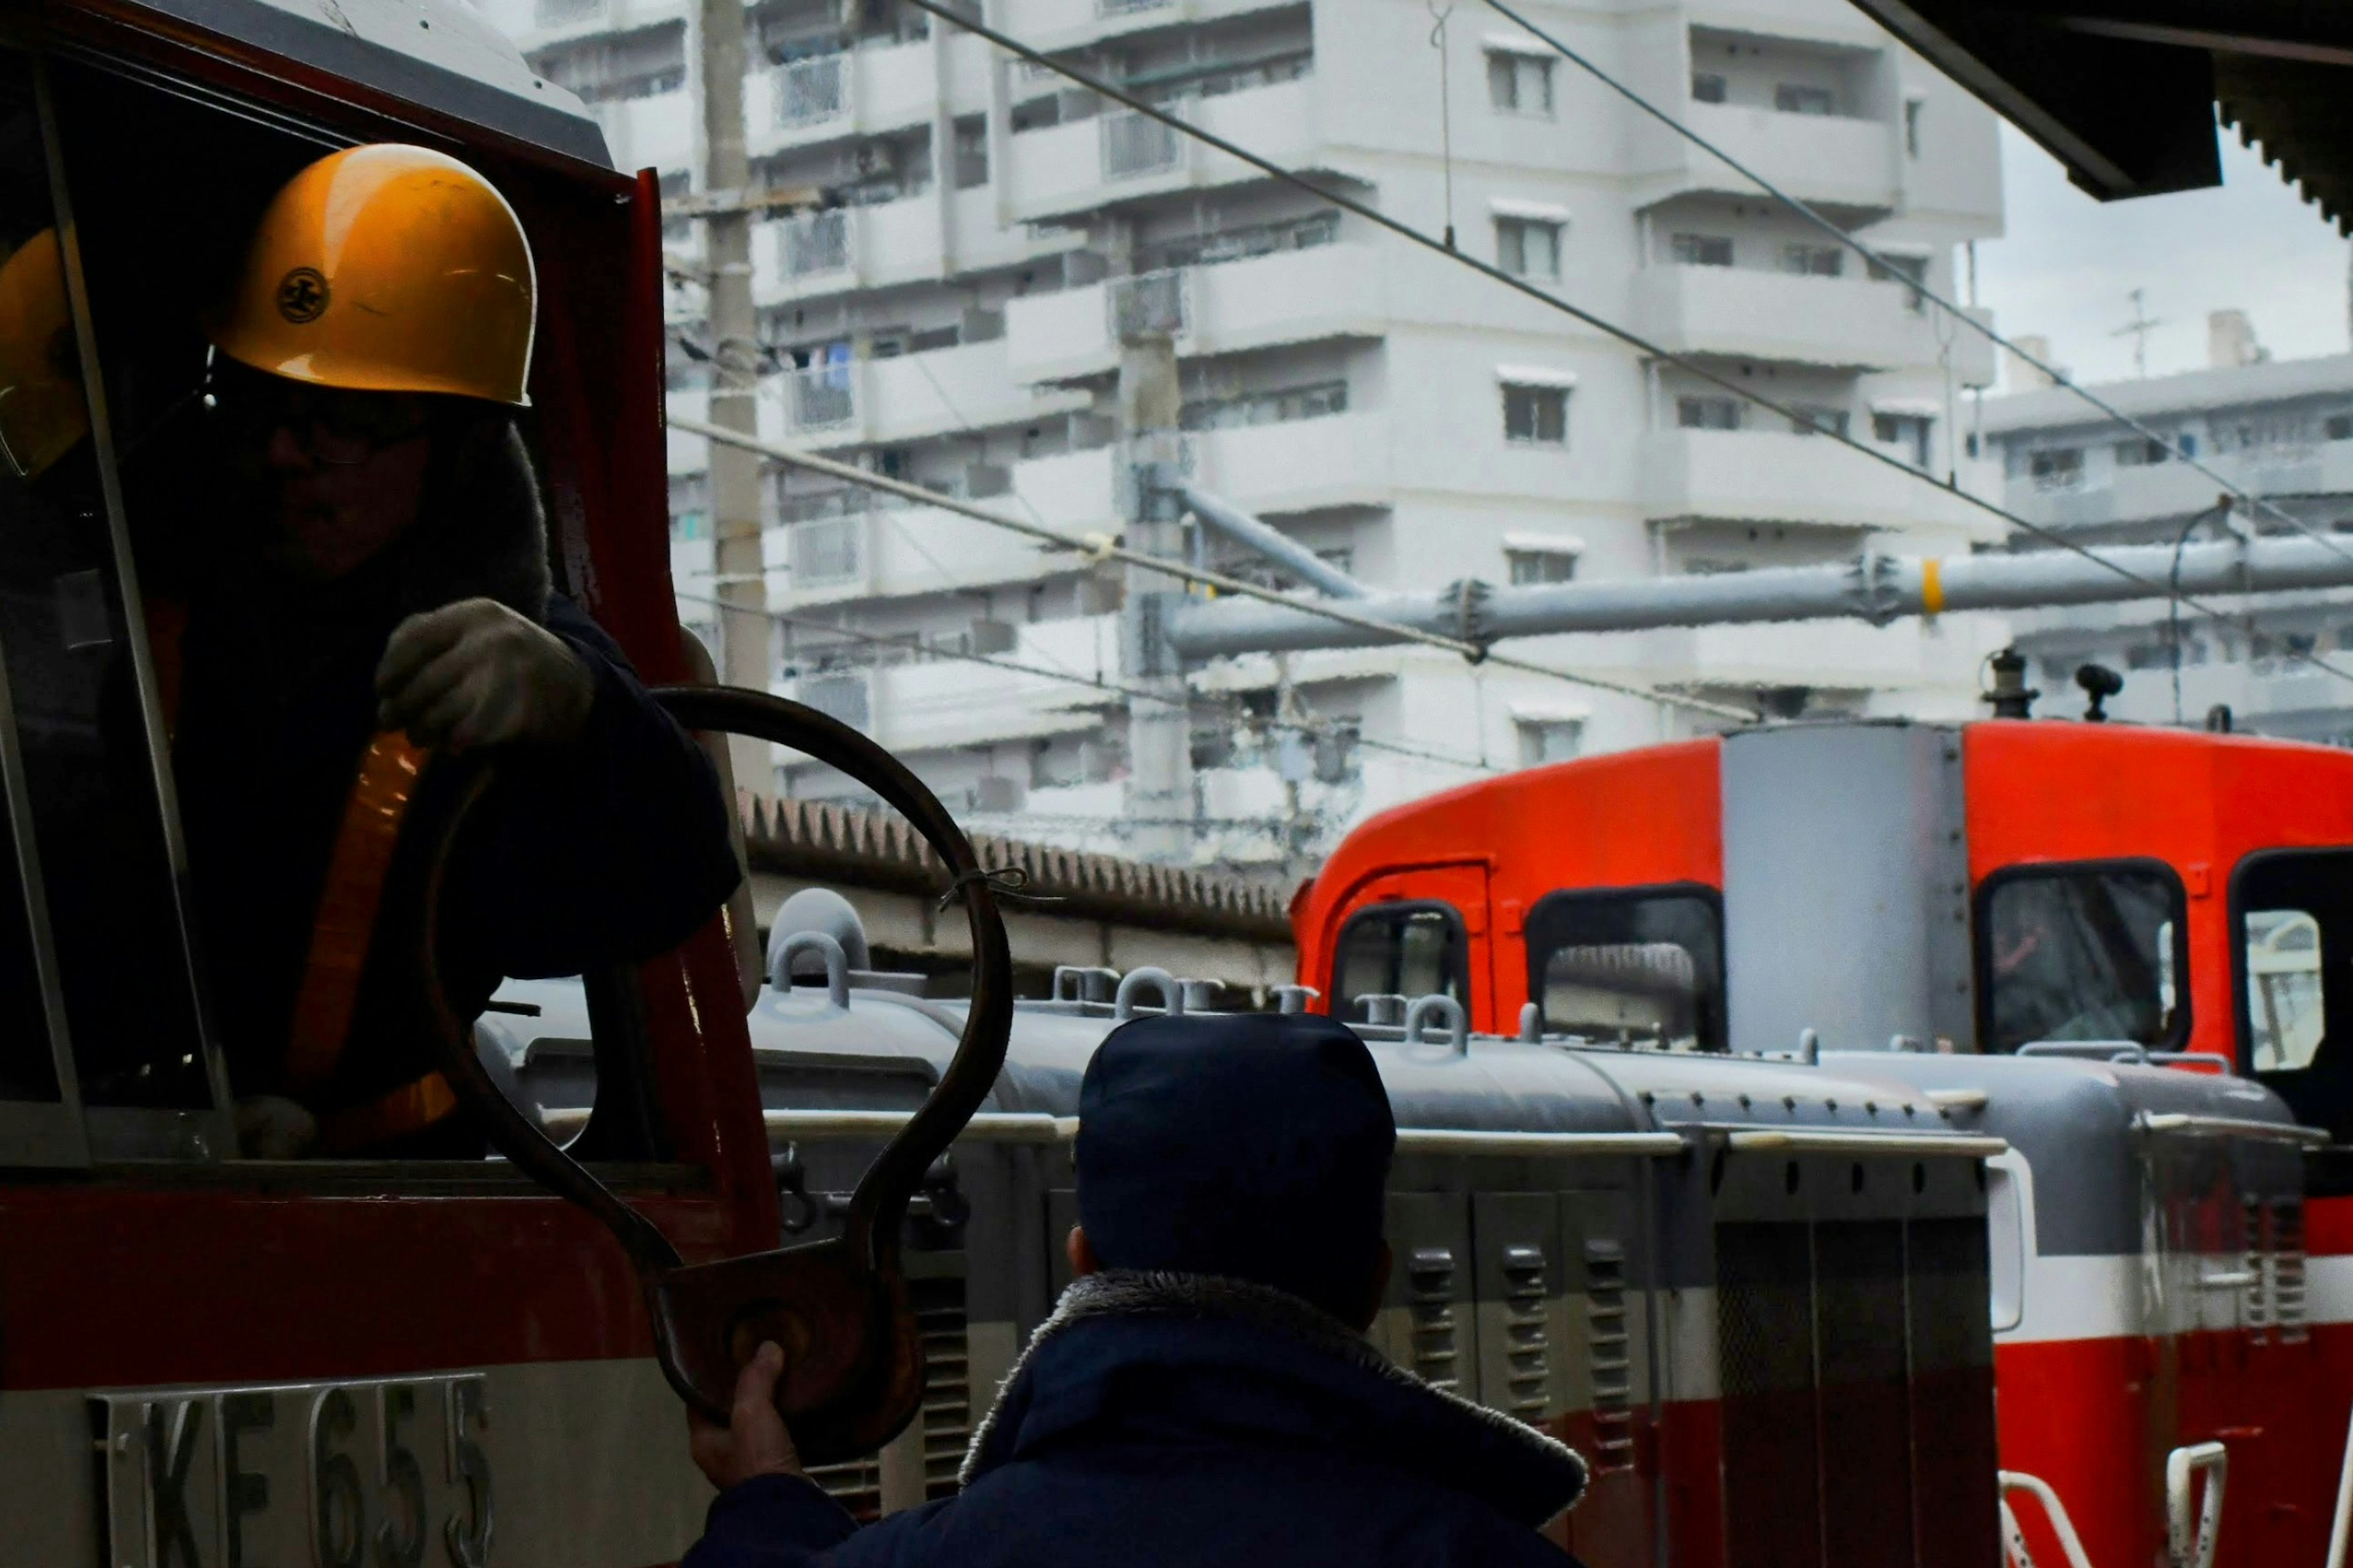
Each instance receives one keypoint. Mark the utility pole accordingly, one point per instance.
(1159, 727)
(735, 511)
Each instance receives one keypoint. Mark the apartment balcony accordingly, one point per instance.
(932, 703)
(535, 25)
(2174, 489)
(1775, 477)
(892, 551)
(1089, 164)
(1065, 23)
(1343, 460)
(1848, 655)
(843, 249)
(655, 132)
(1292, 297)
(1853, 167)
(859, 92)
(1847, 322)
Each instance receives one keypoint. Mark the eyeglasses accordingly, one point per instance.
(335, 425)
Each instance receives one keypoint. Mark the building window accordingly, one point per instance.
(1816, 419)
(1533, 563)
(2056, 469)
(2138, 453)
(1708, 413)
(1528, 248)
(1793, 98)
(2337, 427)
(1911, 269)
(1912, 108)
(1707, 88)
(1813, 261)
(1546, 741)
(1520, 84)
(1909, 431)
(1701, 250)
(1536, 416)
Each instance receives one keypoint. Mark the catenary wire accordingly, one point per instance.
(1630, 338)
(1807, 211)
(914, 643)
(1104, 547)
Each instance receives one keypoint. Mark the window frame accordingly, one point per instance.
(1713, 1001)
(1512, 231)
(2235, 929)
(1981, 898)
(1537, 394)
(1458, 945)
(1513, 61)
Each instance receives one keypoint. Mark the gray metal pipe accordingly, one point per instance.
(1275, 545)
(1876, 588)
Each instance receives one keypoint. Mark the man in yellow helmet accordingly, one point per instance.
(380, 589)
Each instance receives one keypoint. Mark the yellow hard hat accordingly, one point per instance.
(387, 268)
(42, 411)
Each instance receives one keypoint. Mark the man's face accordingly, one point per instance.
(338, 475)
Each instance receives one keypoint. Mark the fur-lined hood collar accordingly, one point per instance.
(1237, 1357)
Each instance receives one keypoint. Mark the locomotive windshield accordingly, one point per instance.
(1399, 950)
(2082, 952)
(1639, 964)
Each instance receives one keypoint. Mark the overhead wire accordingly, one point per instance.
(1798, 420)
(1875, 258)
(1104, 547)
(916, 642)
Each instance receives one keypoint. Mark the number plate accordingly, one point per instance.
(390, 1474)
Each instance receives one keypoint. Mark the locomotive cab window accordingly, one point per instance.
(1413, 949)
(2292, 923)
(1631, 964)
(2084, 951)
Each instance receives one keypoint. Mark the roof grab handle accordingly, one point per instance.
(1172, 995)
(1458, 1023)
(836, 966)
(1530, 1023)
(1296, 998)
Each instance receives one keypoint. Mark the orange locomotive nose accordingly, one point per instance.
(387, 268)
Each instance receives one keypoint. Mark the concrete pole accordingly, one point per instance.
(1159, 728)
(744, 632)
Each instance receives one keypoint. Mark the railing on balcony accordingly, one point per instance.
(1134, 144)
(813, 90)
(826, 552)
(818, 243)
(565, 12)
(1150, 305)
(821, 396)
(846, 695)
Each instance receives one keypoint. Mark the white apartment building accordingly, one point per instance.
(951, 316)
(2281, 430)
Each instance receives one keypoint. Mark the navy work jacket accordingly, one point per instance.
(1168, 1437)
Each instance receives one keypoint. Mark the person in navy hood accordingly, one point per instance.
(1203, 1392)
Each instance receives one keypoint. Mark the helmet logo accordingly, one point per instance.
(302, 295)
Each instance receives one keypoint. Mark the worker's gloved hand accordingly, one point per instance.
(273, 1127)
(754, 1441)
(477, 674)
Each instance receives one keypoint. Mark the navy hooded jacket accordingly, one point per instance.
(1168, 1419)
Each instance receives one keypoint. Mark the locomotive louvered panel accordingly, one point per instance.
(1609, 1354)
(2288, 1309)
(856, 1486)
(1427, 1312)
(1860, 1330)
(1518, 1291)
(1765, 1319)
(947, 1381)
(1955, 1523)
(2255, 1261)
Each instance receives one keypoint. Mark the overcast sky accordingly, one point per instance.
(2067, 264)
